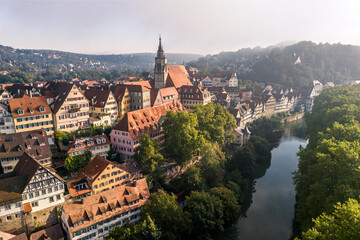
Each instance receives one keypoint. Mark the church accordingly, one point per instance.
(169, 79)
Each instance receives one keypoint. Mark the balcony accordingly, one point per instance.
(73, 110)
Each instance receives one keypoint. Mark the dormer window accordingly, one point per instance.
(42, 109)
(31, 111)
(20, 111)
(90, 219)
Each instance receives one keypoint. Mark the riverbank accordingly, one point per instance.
(272, 196)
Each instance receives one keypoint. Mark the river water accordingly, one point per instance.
(272, 209)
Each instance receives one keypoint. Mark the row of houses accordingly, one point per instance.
(103, 195)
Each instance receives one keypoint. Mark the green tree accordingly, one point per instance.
(206, 214)
(167, 215)
(192, 179)
(343, 223)
(75, 163)
(262, 149)
(147, 154)
(145, 230)
(182, 139)
(231, 208)
(244, 161)
(216, 124)
(212, 165)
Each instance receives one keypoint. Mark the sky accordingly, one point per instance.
(186, 26)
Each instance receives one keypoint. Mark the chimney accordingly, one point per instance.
(43, 132)
(31, 94)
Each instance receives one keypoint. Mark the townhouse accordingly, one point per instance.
(31, 113)
(94, 216)
(102, 102)
(6, 120)
(12, 147)
(102, 175)
(69, 105)
(164, 96)
(123, 99)
(97, 145)
(194, 95)
(29, 196)
(125, 135)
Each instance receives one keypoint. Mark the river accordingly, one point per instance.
(272, 209)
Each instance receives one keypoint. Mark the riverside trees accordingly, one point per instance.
(329, 166)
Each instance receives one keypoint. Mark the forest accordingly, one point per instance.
(328, 177)
(292, 66)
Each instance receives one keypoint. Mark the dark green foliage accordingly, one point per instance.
(343, 223)
(145, 230)
(244, 161)
(206, 214)
(74, 164)
(66, 137)
(231, 208)
(183, 140)
(329, 166)
(192, 179)
(262, 149)
(167, 215)
(325, 62)
(216, 124)
(147, 154)
(267, 128)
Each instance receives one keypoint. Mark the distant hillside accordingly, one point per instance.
(32, 60)
(292, 66)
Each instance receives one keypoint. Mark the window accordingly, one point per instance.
(56, 188)
(31, 195)
(34, 204)
(51, 199)
(8, 207)
(43, 192)
(9, 218)
(58, 197)
(49, 190)
(37, 194)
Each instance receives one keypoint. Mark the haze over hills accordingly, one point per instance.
(44, 59)
(293, 65)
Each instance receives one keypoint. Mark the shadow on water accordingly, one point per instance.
(268, 204)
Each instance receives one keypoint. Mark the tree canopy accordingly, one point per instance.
(147, 154)
(183, 140)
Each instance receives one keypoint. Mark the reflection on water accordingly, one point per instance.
(272, 204)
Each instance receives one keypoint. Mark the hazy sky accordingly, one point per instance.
(187, 26)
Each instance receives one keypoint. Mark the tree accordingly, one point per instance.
(216, 124)
(243, 160)
(192, 179)
(74, 164)
(206, 214)
(182, 139)
(147, 154)
(145, 230)
(343, 223)
(262, 149)
(212, 165)
(231, 208)
(167, 215)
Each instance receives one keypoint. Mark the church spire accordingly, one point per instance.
(160, 49)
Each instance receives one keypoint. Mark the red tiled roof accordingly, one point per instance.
(97, 97)
(146, 120)
(28, 104)
(51, 233)
(192, 92)
(104, 202)
(178, 76)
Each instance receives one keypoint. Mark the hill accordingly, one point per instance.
(293, 66)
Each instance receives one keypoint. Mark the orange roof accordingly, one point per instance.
(106, 205)
(30, 106)
(141, 83)
(146, 120)
(178, 76)
(96, 166)
(27, 207)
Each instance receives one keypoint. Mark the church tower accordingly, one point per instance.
(161, 68)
